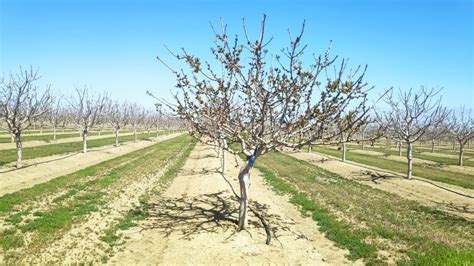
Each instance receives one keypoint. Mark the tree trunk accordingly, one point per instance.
(224, 147)
(116, 137)
(13, 138)
(18, 150)
(343, 151)
(454, 144)
(309, 147)
(461, 154)
(432, 145)
(157, 133)
(84, 140)
(438, 142)
(244, 183)
(100, 131)
(410, 160)
(135, 134)
(54, 133)
(149, 132)
(399, 148)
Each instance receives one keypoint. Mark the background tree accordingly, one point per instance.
(409, 115)
(119, 116)
(21, 103)
(137, 115)
(262, 106)
(462, 129)
(88, 109)
(54, 114)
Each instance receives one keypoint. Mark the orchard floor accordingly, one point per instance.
(194, 222)
(46, 168)
(427, 192)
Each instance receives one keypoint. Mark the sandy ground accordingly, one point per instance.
(193, 222)
(46, 168)
(34, 143)
(417, 189)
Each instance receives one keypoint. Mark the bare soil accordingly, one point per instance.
(46, 168)
(427, 192)
(194, 222)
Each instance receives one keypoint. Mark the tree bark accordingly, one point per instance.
(309, 148)
(19, 151)
(84, 140)
(432, 145)
(54, 133)
(410, 160)
(116, 137)
(399, 148)
(343, 151)
(244, 183)
(461, 154)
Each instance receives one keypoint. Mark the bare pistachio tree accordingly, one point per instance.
(55, 112)
(88, 109)
(137, 116)
(119, 116)
(462, 129)
(21, 103)
(262, 103)
(409, 115)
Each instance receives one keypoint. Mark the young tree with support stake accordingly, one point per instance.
(21, 103)
(410, 115)
(88, 109)
(263, 106)
(462, 129)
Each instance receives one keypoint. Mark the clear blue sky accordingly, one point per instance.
(112, 45)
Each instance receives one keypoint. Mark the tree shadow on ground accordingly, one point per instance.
(210, 213)
(368, 175)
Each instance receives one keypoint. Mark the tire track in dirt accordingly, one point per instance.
(194, 222)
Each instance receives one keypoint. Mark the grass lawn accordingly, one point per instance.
(46, 210)
(8, 156)
(373, 225)
(421, 170)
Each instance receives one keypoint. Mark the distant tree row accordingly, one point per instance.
(23, 103)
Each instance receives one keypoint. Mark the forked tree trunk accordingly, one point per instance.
(244, 183)
(343, 151)
(84, 140)
(410, 160)
(116, 137)
(461, 154)
(19, 150)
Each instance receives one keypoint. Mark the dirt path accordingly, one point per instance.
(34, 143)
(46, 168)
(193, 222)
(417, 189)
